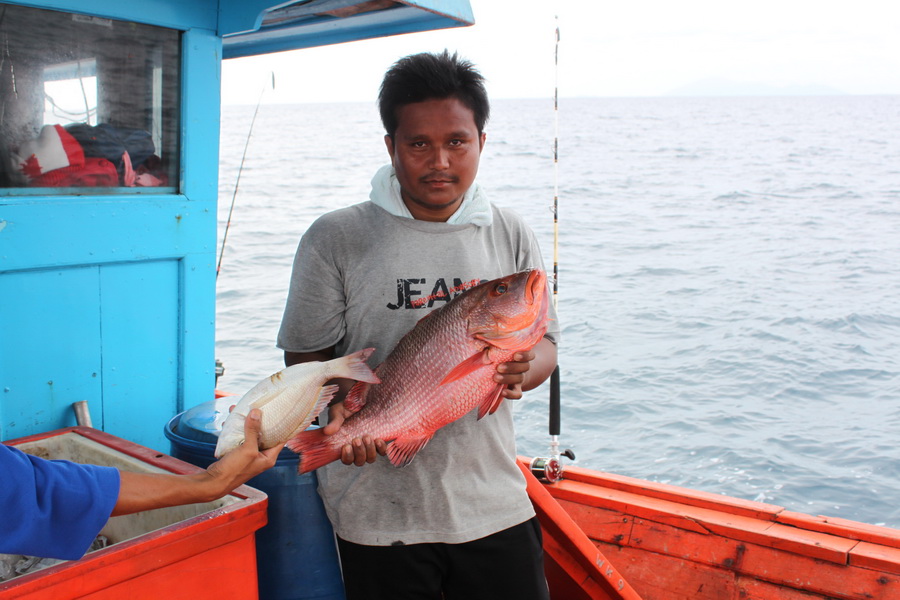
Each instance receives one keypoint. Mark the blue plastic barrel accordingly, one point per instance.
(296, 553)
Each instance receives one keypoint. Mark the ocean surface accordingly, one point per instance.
(729, 287)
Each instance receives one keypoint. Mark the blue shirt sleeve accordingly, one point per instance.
(53, 508)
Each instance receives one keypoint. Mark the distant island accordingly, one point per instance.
(720, 86)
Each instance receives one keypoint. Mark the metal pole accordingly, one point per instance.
(82, 414)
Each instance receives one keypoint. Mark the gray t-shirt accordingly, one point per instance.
(363, 278)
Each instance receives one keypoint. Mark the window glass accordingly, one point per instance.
(87, 102)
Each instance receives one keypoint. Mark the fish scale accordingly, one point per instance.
(440, 371)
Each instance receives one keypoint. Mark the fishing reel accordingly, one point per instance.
(550, 469)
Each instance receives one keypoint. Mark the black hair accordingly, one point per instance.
(428, 76)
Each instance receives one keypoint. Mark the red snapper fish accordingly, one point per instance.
(440, 371)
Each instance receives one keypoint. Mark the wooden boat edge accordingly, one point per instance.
(730, 546)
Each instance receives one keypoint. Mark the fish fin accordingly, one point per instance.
(402, 450)
(353, 366)
(356, 397)
(470, 365)
(326, 395)
(492, 402)
(314, 450)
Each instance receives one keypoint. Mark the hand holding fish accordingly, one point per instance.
(512, 374)
(146, 491)
(526, 366)
(359, 451)
(247, 460)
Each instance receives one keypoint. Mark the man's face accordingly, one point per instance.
(435, 153)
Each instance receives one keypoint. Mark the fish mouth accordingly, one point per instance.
(538, 300)
(535, 286)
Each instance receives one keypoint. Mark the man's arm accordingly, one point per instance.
(146, 491)
(295, 358)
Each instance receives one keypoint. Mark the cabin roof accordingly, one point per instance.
(250, 28)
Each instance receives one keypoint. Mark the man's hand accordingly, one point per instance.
(527, 369)
(247, 460)
(146, 491)
(513, 374)
(361, 450)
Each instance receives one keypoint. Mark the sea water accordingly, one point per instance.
(729, 278)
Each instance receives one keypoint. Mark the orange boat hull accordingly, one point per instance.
(671, 543)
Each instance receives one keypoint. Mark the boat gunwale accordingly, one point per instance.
(835, 526)
(634, 521)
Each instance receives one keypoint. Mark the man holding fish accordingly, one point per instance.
(442, 512)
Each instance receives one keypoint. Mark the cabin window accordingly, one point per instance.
(87, 102)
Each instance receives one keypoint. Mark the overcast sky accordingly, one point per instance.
(615, 48)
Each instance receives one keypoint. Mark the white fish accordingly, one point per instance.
(291, 398)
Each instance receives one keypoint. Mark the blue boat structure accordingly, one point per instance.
(109, 144)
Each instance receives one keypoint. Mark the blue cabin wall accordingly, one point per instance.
(111, 299)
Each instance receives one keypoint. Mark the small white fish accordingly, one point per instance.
(291, 398)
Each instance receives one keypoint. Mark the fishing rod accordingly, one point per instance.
(240, 170)
(550, 468)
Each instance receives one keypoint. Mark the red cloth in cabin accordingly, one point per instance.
(57, 158)
(54, 148)
(94, 172)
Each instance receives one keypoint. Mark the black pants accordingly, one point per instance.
(508, 565)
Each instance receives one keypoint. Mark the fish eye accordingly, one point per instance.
(501, 288)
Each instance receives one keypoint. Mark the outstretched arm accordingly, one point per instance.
(146, 491)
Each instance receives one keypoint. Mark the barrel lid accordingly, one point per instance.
(203, 423)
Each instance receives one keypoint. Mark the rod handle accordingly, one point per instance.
(554, 402)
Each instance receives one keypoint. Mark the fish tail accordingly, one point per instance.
(353, 366)
(314, 450)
